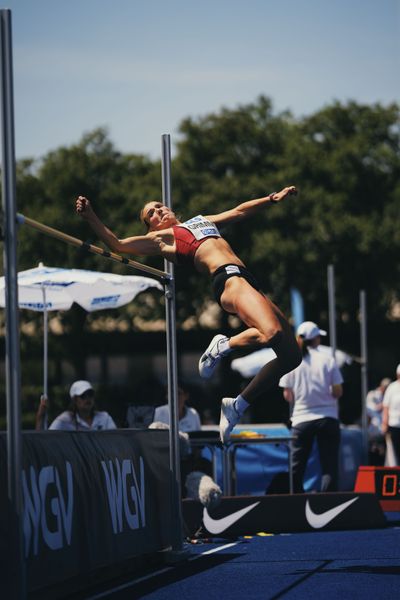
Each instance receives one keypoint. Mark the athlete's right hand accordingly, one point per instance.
(83, 207)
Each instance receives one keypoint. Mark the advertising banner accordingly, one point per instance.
(90, 499)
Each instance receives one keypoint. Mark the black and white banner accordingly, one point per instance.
(284, 513)
(91, 499)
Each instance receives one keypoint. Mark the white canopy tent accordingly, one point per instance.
(44, 289)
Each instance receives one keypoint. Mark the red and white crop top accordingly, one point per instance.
(190, 235)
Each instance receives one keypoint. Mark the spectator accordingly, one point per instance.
(41, 415)
(189, 419)
(196, 477)
(391, 415)
(82, 414)
(374, 405)
(196, 471)
(313, 389)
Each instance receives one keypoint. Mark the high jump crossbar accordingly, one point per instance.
(69, 239)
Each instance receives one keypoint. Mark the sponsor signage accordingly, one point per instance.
(105, 301)
(200, 227)
(284, 513)
(90, 500)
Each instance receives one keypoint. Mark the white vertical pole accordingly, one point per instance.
(332, 309)
(364, 372)
(174, 455)
(45, 354)
(16, 571)
(45, 341)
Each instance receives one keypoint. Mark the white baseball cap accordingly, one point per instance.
(309, 330)
(80, 387)
(398, 369)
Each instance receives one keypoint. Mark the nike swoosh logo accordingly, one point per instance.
(318, 521)
(219, 525)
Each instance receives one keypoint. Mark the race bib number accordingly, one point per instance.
(201, 228)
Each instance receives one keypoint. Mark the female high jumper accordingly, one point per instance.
(198, 243)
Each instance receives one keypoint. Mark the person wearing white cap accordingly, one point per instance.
(309, 330)
(82, 414)
(313, 390)
(391, 414)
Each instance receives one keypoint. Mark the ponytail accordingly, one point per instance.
(303, 345)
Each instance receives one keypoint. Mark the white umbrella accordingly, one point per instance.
(46, 289)
(249, 365)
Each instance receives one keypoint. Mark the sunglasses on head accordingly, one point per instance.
(87, 394)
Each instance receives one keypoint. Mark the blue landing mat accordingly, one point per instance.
(332, 565)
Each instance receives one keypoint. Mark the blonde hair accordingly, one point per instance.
(142, 217)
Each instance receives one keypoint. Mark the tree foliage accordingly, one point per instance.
(344, 159)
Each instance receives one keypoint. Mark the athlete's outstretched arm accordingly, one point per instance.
(247, 209)
(140, 245)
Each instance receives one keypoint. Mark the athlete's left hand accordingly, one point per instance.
(287, 191)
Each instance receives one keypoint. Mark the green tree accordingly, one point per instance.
(223, 160)
(46, 191)
(346, 162)
(344, 159)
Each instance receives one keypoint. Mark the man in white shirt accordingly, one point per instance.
(313, 389)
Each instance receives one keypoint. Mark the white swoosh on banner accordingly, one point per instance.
(318, 521)
(219, 525)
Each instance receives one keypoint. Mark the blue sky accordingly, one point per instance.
(138, 67)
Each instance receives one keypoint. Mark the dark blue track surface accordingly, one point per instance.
(330, 565)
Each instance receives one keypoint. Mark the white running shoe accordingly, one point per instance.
(229, 418)
(211, 357)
